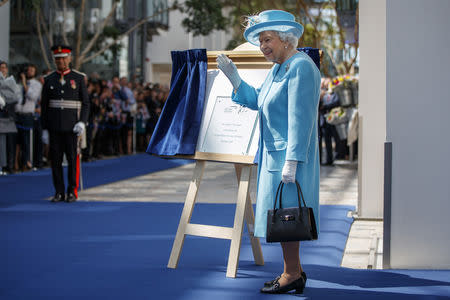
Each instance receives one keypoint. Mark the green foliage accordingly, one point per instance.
(114, 50)
(35, 4)
(310, 36)
(109, 32)
(204, 16)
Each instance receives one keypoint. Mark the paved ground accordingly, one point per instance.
(338, 185)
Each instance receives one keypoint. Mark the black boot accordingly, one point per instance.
(71, 197)
(58, 197)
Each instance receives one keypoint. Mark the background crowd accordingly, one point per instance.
(118, 109)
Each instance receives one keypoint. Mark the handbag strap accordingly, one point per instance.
(300, 196)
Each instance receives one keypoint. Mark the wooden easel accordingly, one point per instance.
(244, 211)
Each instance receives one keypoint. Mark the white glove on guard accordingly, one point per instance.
(78, 128)
(229, 69)
(289, 170)
(2, 102)
(45, 137)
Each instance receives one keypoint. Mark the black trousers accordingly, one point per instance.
(24, 126)
(38, 145)
(63, 143)
(23, 139)
(11, 141)
(328, 131)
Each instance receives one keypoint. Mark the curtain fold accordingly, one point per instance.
(179, 124)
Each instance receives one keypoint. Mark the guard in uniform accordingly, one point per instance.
(64, 113)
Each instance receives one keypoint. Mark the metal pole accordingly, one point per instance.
(31, 148)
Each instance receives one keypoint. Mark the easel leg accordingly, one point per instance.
(250, 220)
(233, 258)
(186, 214)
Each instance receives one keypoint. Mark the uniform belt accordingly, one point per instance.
(70, 104)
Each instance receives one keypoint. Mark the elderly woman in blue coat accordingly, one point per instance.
(287, 103)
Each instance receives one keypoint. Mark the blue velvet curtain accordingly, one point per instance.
(313, 53)
(179, 124)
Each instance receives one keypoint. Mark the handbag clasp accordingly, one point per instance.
(287, 218)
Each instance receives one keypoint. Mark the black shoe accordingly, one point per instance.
(58, 197)
(71, 197)
(272, 282)
(297, 285)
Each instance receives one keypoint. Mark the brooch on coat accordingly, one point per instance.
(73, 84)
(287, 67)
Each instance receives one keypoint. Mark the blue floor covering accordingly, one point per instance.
(112, 250)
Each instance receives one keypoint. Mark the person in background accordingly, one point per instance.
(328, 101)
(154, 110)
(25, 110)
(142, 116)
(93, 100)
(128, 109)
(64, 113)
(10, 95)
(44, 132)
(99, 136)
(112, 118)
(288, 103)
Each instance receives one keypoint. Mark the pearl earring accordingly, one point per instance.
(285, 47)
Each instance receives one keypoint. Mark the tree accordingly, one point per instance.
(87, 45)
(320, 19)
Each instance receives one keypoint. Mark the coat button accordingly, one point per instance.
(62, 92)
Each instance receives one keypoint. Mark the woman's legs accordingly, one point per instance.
(292, 268)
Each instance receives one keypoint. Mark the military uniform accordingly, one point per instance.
(64, 103)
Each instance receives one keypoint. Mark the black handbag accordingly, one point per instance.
(293, 223)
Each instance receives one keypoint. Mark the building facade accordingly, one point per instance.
(143, 54)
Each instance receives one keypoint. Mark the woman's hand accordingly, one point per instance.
(229, 69)
(289, 170)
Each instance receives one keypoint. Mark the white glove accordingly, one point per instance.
(229, 69)
(78, 128)
(45, 137)
(2, 102)
(289, 170)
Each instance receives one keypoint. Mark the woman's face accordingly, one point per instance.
(31, 72)
(272, 47)
(4, 70)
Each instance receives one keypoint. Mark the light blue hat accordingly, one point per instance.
(276, 20)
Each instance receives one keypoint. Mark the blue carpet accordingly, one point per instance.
(37, 185)
(89, 250)
(120, 251)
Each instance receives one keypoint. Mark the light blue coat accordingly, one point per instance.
(287, 103)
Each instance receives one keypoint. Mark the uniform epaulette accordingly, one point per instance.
(81, 73)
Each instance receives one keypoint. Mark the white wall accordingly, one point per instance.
(372, 107)
(158, 51)
(418, 106)
(4, 31)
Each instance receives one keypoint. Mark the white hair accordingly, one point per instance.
(288, 37)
